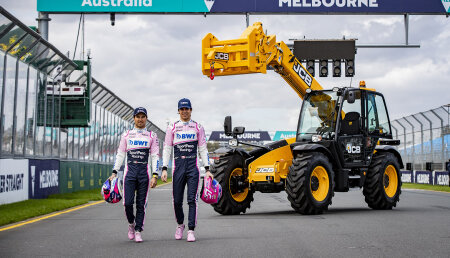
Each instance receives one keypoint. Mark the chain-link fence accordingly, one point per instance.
(425, 139)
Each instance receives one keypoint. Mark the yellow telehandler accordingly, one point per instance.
(344, 136)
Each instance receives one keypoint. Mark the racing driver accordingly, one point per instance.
(187, 138)
(138, 147)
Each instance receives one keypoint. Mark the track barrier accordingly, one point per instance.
(22, 179)
(425, 177)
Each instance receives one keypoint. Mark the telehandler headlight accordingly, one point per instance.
(233, 142)
(316, 138)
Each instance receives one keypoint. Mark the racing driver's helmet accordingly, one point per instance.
(112, 190)
(211, 191)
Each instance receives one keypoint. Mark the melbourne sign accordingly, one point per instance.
(13, 180)
(441, 178)
(44, 178)
(423, 177)
(247, 6)
(250, 136)
(407, 176)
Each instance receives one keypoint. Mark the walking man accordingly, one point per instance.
(139, 148)
(187, 138)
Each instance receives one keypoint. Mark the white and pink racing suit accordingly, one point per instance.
(138, 148)
(187, 139)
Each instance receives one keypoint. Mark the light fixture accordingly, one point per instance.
(233, 142)
(323, 68)
(310, 66)
(337, 68)
(349, 67)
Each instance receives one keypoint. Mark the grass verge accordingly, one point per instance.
(19, 211)
(441, 188)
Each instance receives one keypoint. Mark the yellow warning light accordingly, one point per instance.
(362, 84)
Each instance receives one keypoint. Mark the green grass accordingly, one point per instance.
(18, 211)
(442, 188)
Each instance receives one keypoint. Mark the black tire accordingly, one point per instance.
(376, 195)
(301, 182)
(229, 203)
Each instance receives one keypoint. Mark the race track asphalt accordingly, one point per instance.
(418, 227)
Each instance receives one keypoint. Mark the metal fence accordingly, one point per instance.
(27, 66)
(425, 138)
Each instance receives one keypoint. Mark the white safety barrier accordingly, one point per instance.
(13, 180)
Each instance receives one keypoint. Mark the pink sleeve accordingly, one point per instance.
(169, 136)
(121, 152)
(154, 149)
(123, 142)
(168, 145)
(201, 136)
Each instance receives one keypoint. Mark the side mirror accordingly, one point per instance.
(227, 126)
(351, 97)
(238, 130)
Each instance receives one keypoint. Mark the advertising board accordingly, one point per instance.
(44, 178)
(13, 180)
(248, 136)
(407, 176)
(441, 178)
(423, 177)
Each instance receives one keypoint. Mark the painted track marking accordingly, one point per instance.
(56, 214)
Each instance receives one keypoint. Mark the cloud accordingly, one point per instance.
(154, 60)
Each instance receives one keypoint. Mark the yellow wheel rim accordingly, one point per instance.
(390, 181)
(319, 183)
(239, 197)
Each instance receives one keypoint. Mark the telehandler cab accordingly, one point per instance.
(344, 137)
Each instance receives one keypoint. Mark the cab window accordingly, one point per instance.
(377, 121)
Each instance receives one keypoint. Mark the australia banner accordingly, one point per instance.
(247, 6)
(282, 135)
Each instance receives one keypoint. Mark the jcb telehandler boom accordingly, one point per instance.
(252, 53)
(343, 136)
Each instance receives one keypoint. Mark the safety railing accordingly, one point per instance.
(425, 139)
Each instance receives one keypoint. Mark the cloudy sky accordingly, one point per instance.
(154, 60)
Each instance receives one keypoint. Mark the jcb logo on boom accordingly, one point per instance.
(298, 68)
(221, 56)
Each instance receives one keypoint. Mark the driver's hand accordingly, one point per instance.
(113, 175)
(164, 176)
(208, 174)
(153, 182)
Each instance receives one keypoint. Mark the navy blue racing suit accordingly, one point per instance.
(186, 139)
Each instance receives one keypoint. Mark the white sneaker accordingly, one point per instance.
(179, 232)
(138, 238)
(190, 236)
(131, 231)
